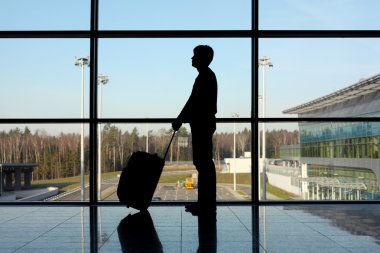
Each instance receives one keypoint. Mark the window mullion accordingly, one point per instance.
(93, 140)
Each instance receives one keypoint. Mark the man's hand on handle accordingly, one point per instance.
(176, 125)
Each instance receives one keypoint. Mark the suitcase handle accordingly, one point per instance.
(170, 142)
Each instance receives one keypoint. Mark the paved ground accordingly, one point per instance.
(167, 192)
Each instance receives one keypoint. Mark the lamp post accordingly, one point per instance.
(265, 61)
(235, 115)
(1, 180)
(102, 80)
(81, 62)
(259, 154)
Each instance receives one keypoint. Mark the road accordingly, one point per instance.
(75, 195)
(169, 192)
(165, 192)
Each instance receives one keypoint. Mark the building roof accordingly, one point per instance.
(356, 90)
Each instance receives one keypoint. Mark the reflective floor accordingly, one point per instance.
(291, 228)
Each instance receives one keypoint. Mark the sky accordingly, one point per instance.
(152, 78)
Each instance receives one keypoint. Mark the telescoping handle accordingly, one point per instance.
(170, 142)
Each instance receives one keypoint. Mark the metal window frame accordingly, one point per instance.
(254, 34)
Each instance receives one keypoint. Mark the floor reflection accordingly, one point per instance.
(356, 219)
(243, 229)
(137, 234)
(207, 235)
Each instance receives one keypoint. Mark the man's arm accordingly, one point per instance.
(184, 116)
(201, 104)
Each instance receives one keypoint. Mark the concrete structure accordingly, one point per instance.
(37, 194)
(285, 177)
(346, 151)
(11, 176)
(238, 165)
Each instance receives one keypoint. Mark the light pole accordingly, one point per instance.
(264, 62)
(235, 115)
(1, 180)
(102, 80)
(81, 62)
(259, 152)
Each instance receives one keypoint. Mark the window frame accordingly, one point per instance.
(254, 34)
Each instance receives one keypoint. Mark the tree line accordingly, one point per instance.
(58, 156)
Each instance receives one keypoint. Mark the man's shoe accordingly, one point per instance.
(203, 212)
(192, 207)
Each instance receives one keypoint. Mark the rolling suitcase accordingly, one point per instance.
(139, 178)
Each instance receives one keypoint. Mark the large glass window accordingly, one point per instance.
(126, 77)
(175, 15)
(318, 15)
(306, 75)
(20, 15)
(43, 78)
(179, 180)
(151, 78)
(43, 162)
(320, 161)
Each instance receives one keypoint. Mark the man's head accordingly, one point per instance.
(203, 56)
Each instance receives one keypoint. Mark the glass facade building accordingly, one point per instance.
(340, 139)
(344, 150)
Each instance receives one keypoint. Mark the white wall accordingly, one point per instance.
(243, 165)
(283, 182)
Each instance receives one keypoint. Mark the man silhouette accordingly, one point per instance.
(199, 111)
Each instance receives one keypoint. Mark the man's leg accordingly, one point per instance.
(207, 186)
(202, 157)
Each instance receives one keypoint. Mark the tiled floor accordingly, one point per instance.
(271, 229)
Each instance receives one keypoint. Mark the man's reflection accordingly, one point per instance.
(207, 234)
(137, 234)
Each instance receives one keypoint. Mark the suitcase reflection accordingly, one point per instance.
(137, 234)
